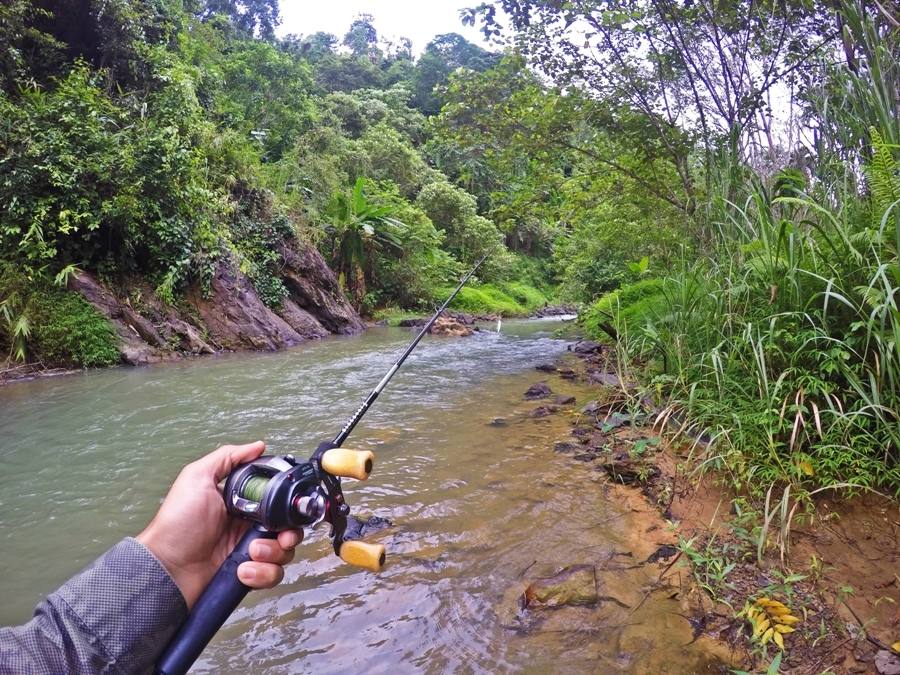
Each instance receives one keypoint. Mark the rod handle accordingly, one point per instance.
(211, 610)
(361, 554)
(348, 463)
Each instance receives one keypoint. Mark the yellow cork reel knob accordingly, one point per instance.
(361, 554)
(348, 463)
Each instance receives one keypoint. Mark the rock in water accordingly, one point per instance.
(573, 585)
(450, 328)
(562, 399)
(536, 391)
(357, 528)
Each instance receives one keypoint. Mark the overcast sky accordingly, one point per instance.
(419, 20)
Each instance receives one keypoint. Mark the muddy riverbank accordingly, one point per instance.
(832, 561)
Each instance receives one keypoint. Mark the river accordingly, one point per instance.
(477, 508)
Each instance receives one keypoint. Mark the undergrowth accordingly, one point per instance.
(62, 329)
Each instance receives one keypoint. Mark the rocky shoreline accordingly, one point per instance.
(641, 451)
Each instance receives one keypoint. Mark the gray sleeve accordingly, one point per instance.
(114, 617)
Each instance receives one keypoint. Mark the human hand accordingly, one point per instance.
(192, 533)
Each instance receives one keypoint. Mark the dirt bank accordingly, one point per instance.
(835, 566)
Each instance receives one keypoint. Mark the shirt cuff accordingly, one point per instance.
(128, 601)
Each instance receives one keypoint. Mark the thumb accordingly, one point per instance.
(220, 462)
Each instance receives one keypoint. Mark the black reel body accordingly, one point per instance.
(277, 492)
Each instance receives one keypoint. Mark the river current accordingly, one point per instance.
(477, 507)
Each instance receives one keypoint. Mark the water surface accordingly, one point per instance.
(477, 508)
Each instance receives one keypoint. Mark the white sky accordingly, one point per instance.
(419, 20)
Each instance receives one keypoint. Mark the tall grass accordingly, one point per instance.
(783, 341)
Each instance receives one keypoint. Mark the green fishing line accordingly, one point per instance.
(254, 488)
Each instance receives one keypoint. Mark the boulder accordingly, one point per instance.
(566, 373)
(450, 328)
(573, 585)
(536, 391)
(546, 368)
(562, 399)
(586, 347)
(357, 528)
(543, 411)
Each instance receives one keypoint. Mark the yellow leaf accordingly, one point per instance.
(786, 619)
(780, 628)
(763, 602)
(778, 611)
(896, 646)
(778, 640)
(807, 468)
(767, 636)
(761, 626)
(774, 604)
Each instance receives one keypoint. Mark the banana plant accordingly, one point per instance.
(359, 231)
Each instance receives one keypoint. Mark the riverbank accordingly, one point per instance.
(832, 561)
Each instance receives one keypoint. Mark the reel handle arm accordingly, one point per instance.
(221, 597)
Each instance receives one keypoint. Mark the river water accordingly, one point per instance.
(477, 509)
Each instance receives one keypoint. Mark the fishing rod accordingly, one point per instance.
(278, 493)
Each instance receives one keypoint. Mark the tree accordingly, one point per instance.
(443, 55)
(362, 38)
(707, 68)
(359, 230)
(254, 18)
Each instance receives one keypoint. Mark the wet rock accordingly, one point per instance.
(585, 457)
(887, 663)
(546, 368)
(614, 421)
(236, 318)
(581, 432)
(591, 408)
(536, 391)
(628, 472)
(563, 447)
(566, 373)
(562, 399)
(301, 320)
(358, 528)
(573, 585)
(543, 411)
(497, 422)
(663, 552)
(603, 378)
(586, 347)
(449, 327)
(314, 287)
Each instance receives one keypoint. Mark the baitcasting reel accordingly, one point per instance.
(279, 493)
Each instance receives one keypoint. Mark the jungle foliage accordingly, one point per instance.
(768, 134)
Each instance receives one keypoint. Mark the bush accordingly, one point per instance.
(65, 330)
(632, 304)
(491, 299)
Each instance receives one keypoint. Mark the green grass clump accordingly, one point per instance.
(629, 305)
(509, 299)
(527, 296)
(65, 330)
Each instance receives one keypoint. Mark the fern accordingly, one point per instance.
(883, 180)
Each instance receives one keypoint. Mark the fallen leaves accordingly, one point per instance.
(771, 620)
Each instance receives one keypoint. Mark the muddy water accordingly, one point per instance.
(478, 509)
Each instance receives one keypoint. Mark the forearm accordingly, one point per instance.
(114, 617)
